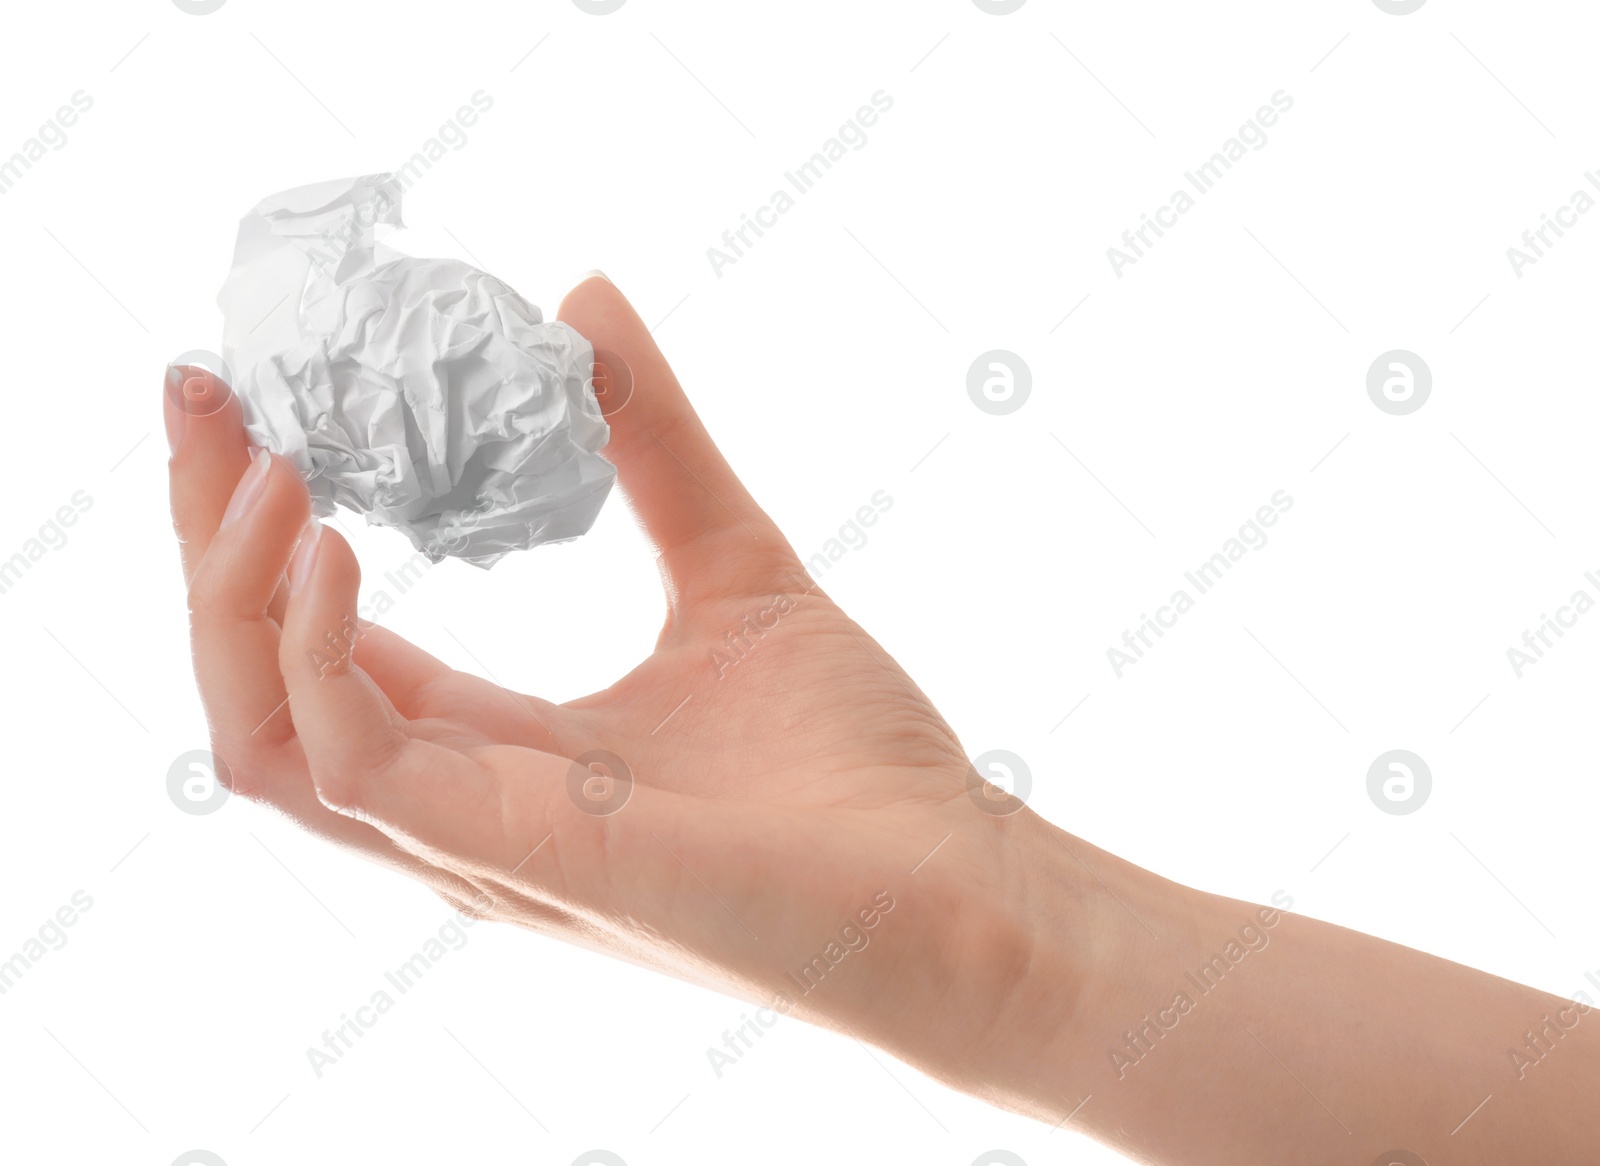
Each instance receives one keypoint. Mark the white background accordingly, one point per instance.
(828, 362)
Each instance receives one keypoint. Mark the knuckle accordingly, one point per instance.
(254, 773)
(338, 787)
(342, 781)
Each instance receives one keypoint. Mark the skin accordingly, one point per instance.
(797, 794)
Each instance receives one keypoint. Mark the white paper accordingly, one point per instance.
(423, 393)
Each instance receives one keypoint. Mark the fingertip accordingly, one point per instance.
(595, 306)
(203, 418)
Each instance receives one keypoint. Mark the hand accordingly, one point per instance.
(804, 830)
(789, 782)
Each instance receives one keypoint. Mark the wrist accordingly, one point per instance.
(1078, 937)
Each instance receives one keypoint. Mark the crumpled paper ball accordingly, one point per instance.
(423, 393)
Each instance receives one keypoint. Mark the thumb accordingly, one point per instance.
(713, 540)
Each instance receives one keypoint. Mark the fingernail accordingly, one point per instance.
(305, 556)
(172, 409)
(248, 489)
(593, 274)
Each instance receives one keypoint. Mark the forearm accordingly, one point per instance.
(1208, 1030)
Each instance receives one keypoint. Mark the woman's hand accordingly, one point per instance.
(767, 804)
